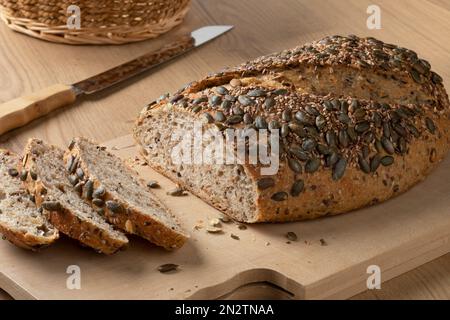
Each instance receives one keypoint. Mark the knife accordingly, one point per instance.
(20, 111)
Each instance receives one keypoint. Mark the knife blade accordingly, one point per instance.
(22, 110)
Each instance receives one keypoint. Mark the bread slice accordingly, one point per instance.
(67, 211)
(20, 220)
(116, 188)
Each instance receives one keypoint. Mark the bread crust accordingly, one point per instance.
(25, 240)
(67, 221)
(129, 218)
(422, 134)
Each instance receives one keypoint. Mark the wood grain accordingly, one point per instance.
(262, 26)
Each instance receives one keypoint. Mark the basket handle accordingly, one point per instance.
(18, 112)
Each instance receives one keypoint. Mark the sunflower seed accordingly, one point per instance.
(298, 129)
(303, 118)
(332, 159)
(291, 236)
(248, 119)
(200, 100)
(309, 144)
(23, 175)
(245, 100)
(98, 202)
(336, 104)
(13, 172)
(207, 117)
(339, 169)
(113, 206)
(413, 130)
(80, 173)
(312, 111)
(269, 103)
(386, 129)
(327, 105)
(343, 138)
(78, 187)
(51, 205)
(344, 106)
(196, 109)
(33, 175)
(224, 218)
(375, 162)
(234, 119)
(235, 237)
(256, 93)
(238, 111)
(284, 130)
(401, 145)
(274, 125)
(73, 179)
(364, 165)
(297, 188)
(100, 192)
(344, 118)
(279, 196)
(430, 125)
(387, 145)
(320, 122)
(286, 115)
(362, 127)
(260, 123)
(400, 130)
(221, 90)
(226, 104)
(387, 161)
(437, 79)
(416, 76)
(265, 183)
(168, 267)
(354, 105)
(280, 92)
(330, 137)
(359, 114)
(298, 152)
(323, 149)
(312, 165)
(295, 165)
(88, 190)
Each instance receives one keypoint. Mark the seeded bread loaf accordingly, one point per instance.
(67, 211)
(113, 187)
(359, 120)
(20, 220)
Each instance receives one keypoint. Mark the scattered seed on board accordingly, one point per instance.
(214, 222)
(235, 237)
(224, 218)
(177, 192)
(242, 226)
(291, 236)
(323, 242)
(214, 230)
(168, 267)
(153, 184)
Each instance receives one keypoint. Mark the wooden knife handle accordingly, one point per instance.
(20, 111)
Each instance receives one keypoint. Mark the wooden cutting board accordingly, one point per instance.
(397, 235)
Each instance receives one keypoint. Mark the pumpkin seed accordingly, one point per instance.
(260, 123)
(375, 162)
(359, 114)
(364, 165)
(113, 206)
(298, 152)
(230, 98)
(13, 172)
(297, 188)
(256, 93)
(323, 149)
(344, 106)
(245, 100)
(387, 161)
(221, 90)
(265, 183)
(312, 165)
(279, 196)
(237, 110)
(23, 175)
(437, 79)
(339, 169)
(295, 165)
(298, 129)
(269, 103)
(200, 100)
(343, 138)
(430, 125)
(168, 267)
(152, 184)
(291, 236)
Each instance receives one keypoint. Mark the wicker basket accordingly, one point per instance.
(102, 21)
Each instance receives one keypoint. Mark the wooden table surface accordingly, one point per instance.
(262, 26)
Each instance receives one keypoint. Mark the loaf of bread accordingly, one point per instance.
(111, 186)
(359, 121)
(21, 222)
(54, 191)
